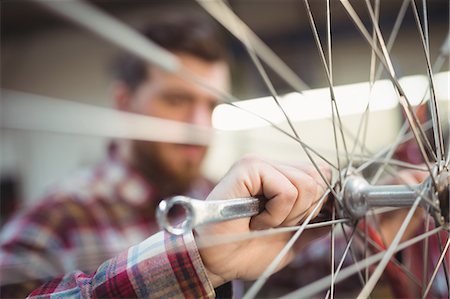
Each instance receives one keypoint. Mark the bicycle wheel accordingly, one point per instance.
(394, 269)
(353, 217)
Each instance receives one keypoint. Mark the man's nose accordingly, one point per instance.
(201, 116)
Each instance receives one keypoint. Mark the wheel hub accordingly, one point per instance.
(359, 196)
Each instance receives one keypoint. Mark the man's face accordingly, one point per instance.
(167, 96)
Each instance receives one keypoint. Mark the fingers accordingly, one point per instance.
(293, 193)
(309, 190)
(311, 185)
(282, 195)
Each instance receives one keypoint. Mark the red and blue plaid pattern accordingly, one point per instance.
(91, 218)
(162, 266)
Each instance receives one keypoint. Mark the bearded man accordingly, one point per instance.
(91, 217)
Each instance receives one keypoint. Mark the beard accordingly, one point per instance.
(166, 166)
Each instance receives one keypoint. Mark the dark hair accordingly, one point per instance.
(190, 34)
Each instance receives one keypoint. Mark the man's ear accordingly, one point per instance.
(122, 96)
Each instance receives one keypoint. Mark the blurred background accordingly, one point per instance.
(44, 54)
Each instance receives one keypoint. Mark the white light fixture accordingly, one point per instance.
(442, 86)
(314, 104)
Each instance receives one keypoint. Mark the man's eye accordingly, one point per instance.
(176, 100)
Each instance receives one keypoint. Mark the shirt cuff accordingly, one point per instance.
(168, 266)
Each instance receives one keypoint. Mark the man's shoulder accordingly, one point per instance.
(105, 183)
(73, 197)
(78, 185)
(81, 187)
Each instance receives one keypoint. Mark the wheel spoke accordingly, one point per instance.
(254, 289)
(25, 111)
(378, 227)
(436, 269)
(389, 150)
(386, 62)
(423, 33)
(394, 162)
(341, 262)
(444, 264)
(208, 241)
(389, 252)
(374, 77)
(334, 109)
(425, 254)
(353, 255)
(436, 67)
(401, 93)
(393, 36)
(366, 247)
(222, 13)
(259, 67)
(305, 146)
(230, 20)
(374, 40)
(323, 283)
(332, 249)
(393, 259)
(447, 162)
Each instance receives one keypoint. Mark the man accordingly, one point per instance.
(167, 266)
(93, 216)
(86, 226)
(91, 222)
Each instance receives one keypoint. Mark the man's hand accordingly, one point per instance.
(292, 193)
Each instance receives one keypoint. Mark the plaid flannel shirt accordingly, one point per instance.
(93, 217)
(162, 266)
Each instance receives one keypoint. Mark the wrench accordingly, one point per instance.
(198, 212)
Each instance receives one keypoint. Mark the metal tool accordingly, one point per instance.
(198, 212)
